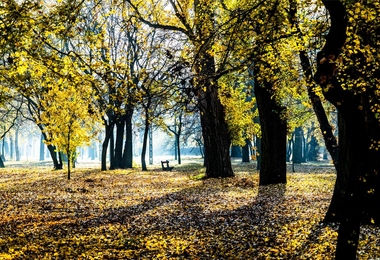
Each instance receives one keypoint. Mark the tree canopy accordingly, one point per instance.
(75, 63)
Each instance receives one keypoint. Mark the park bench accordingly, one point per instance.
(165, 166)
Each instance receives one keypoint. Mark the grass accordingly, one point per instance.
(129, 214)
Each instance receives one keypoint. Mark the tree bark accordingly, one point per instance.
(245, 151)
(118, 152)
(258, 153)
(128, 145)
(360, 128)
(56, 160)
(273, 137)
(216, 138)
(215, 133)
(112, 148)
(324, 124)
(107, 137)
(144, 146)
(178, 148)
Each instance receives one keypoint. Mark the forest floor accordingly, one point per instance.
(130, 214)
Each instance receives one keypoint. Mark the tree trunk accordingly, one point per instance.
(297, 145)
(118, 153)
(258, 153)
(353, 150)
(273, 137)
(312, 149)
(128, 145)
(3, 150)
(17, 149)
(144, 146)
(216, 138)
(333, 213)
(56, 161)
(178, 148)
(324, 124)
(361, 129)
(69, 154)
(335, 210)
(245, 151)
(11, 144)
(201, 147)
(107, 137)
(112, 149)
(42, 148)
(236, 151)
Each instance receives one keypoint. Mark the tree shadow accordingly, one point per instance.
(245, 232)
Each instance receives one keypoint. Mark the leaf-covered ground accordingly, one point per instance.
(131, 214)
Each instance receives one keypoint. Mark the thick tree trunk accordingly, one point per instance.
(335, 210)
(273, 137)
(118, 153)
(128, 148)
(216, 138)
(56, 161)
(360, 161)
(349, 212)
(215, 133)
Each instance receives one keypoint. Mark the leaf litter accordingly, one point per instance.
(160, 215)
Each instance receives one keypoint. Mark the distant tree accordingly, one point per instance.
(298, 145)
(176, 130)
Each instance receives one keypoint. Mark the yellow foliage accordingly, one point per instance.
(237, 100)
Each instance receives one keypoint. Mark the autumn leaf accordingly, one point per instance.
(129, 214)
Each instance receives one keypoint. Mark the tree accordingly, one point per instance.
(215, 131)
(176, 130)
(235, 96)
(349, 72)
(66, 113)
(297, 145)
(315, 26)
(273, 137)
